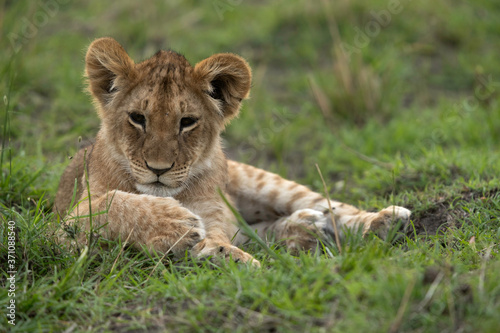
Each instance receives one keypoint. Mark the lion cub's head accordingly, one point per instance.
(162, 117)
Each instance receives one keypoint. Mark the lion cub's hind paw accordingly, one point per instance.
(397, 213)
(303, 230)
(389, 217)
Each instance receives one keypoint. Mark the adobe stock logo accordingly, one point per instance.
(30, 26)
(372, 28)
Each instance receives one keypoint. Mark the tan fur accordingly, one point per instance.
(157, 163)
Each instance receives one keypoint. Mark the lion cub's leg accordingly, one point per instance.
(305, 228)
(283, 208)
(160, 224)
(300, 231)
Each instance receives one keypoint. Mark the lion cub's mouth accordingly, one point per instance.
(167, 185)
(160, 184)
(159, 189)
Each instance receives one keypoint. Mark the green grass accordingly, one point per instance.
(411, 119)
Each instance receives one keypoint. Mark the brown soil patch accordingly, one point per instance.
(442, 216)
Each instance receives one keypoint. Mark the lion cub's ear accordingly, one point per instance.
(226, 78)
(108, 69)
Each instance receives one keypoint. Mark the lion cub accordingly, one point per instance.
(156, 165)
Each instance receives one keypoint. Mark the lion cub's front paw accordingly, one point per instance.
(388, 217)
(177, 232)
(208, 248)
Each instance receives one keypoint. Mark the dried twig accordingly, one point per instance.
(164, 255)
(402, 308)
(121, 250)
(334, 223)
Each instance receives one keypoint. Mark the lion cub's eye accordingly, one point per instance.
(138, 118)
(188, 122)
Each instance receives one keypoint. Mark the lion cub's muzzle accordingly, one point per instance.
(159, 172)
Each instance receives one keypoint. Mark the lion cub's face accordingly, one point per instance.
(162, 117)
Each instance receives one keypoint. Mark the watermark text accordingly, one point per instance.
(12, 272)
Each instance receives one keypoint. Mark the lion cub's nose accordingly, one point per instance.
(159, 172)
